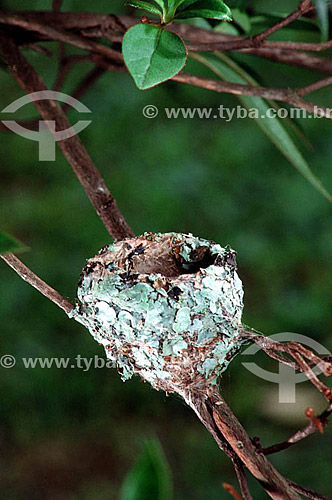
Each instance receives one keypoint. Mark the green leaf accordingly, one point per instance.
(272, 127)
(241, 19)
(152, 55)
(150, 478)
(289, 124)
(140, 4)
(9, 244)
(184, 3)
(322, 7)
(211, 9)
(162, 4)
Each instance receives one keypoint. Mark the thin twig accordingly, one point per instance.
(304, 7)
(232, 491)
(72, 148)
(248, 43)
(307, 492)
(292, 97)
(82, 88)
(282, 95)
(56, 34)
(197, 38)
(301, 434)
(293, 58)
(304, 358)
(312, 87)
(27, 275)
(62, 70)
(241, 477)
(56, 5)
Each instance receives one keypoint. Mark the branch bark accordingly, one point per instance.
(200, 40)
(301, 434)
(27, 275)
(290, 96)
(222, 424)
(72, 148)
(108, 57)
(197, 38)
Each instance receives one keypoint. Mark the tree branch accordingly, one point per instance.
(309, 429)
(222, 424)
(307, 492)
(304, 7)
(290, 96)
(51, 33)
(293, 97)
(312, 87)
(72, 148)
(197, 38)
(293, 58)
(27, 275)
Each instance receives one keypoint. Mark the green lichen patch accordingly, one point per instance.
(165, 306)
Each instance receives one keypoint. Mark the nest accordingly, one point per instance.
(166, 307)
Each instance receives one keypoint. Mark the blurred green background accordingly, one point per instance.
(71, 434)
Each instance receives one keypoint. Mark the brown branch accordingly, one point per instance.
(62, 70)
(299, 435)
(232, 491)
(27, 275)
(197, 38)
(283, 95)
(72, 148)
(312, 87)
(307, 492)
(84, 21)
(304, 358)
(204, 416)
(293, 58)
(224, 426)
(51, 33)
(82, 88)
(290, 96)
(88, 81)
(304, 7)
(248, 43)
(241, 477)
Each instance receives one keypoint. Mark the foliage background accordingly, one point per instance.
(73, 435)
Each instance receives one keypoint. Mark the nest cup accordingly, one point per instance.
(166, 307)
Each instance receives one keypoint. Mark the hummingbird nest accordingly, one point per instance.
(166, 307)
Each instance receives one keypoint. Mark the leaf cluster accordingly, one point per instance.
(168, 10)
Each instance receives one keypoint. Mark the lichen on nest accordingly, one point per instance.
(166, 307)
